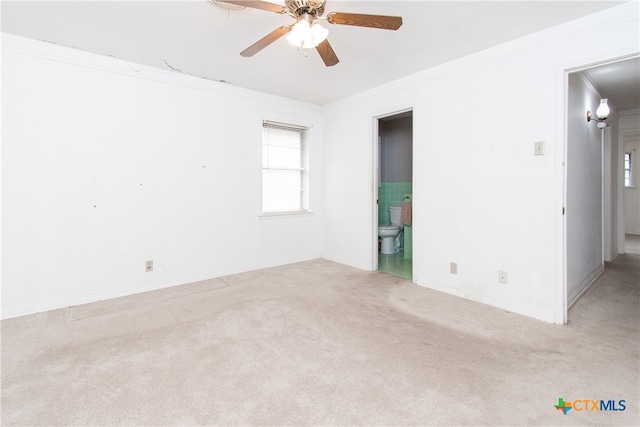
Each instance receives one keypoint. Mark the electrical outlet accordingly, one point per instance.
(148, 266)
(538, 148)
(453, 268)
(502, 277)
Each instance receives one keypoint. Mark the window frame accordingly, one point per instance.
(631, 170)
(303, 131)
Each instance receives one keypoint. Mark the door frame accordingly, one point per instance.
(560, 300)
(375, 166)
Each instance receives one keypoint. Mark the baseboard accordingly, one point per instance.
(614, 255)
(490, 301)
(586, 284)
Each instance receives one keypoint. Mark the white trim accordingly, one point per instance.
(610, 19)
(482, 298)
(561, 303)
(632, 167)
(614, 255)
(284, 214)
(375, 201)
(305, 137)
(65, 303)
(560, 199)
(375, 175)
(56, 53)
(627, 126)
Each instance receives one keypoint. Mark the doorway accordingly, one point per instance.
(394, 195)
(594, 175)
(629, 143)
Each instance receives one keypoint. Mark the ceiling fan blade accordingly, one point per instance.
(265, 41)
(327, 54)
(359, 20)
(262, 5)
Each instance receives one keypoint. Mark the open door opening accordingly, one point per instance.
(394, 194)
(595, 170)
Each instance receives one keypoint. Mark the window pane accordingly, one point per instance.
(283, 167)
(627, 169)
(282, 137)
(281, 200)
(281, 157)
(281, 180)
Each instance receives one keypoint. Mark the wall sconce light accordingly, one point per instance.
(601, 114)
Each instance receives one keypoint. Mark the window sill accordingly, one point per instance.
(284, 214)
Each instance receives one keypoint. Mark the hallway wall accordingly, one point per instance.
(584, 207)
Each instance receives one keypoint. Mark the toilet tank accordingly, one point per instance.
(395, 214)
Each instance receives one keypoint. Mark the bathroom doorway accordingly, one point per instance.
(394, 190)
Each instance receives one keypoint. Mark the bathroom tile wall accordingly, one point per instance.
(408, 242)
(391, 193)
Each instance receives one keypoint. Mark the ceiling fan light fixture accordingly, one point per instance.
(307, 35)
(227, 6)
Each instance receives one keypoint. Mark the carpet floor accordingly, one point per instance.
(319, 343)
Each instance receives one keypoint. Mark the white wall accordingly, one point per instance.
(172, 166)
(106, 164)
(481, 198)
(350, 226)
(584, 208)
(611, 183)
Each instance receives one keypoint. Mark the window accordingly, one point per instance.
(628, 178)
(284, 173)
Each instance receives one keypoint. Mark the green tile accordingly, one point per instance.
(408, 242)
(392, 193)
(396, 265)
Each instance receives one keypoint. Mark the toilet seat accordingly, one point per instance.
(389, 227)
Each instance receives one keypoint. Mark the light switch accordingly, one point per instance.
(538, 148)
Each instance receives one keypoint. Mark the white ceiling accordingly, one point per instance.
(619, 82)
(199, 38)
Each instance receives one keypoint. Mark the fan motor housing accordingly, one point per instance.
(314, 8)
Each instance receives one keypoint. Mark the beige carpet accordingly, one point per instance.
(318, 343)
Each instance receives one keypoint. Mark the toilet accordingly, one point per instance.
(390, 234)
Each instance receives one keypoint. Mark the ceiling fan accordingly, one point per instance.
(305, 32)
